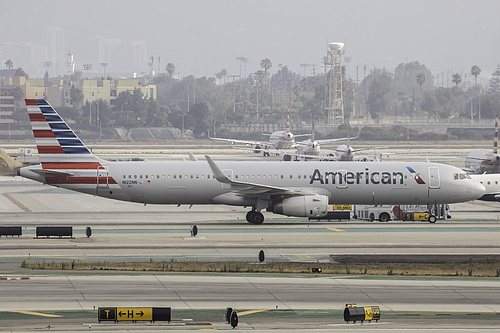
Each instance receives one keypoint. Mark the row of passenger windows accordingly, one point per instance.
(211, 176)
(489, 183)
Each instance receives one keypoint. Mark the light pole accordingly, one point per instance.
(234, 91)
(243, 60)
(88, 67)
(104, 64)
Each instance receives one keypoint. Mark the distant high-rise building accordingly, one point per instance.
(38, 56)
(140, 57)
(56, 50)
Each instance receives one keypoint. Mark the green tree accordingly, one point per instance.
(475, 71)
(76, 96)
(490, 105)
(420, 82)
(223, 72)
(21, 72)
(170, 69)
(379, 95)
(266, 64)
(9, 64)
(201, 114)
(494, 85)
(457, 79)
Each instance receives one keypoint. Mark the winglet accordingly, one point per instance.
(219, 175)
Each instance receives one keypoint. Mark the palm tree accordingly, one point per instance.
(224, 74)
(456, 78)
(170, 69)
(9, 64)
(266, 64)
(475, 70)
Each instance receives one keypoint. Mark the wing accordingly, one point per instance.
(251, 189)
(326, 141)
(246, 142)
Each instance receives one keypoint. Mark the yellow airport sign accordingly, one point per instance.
(342, 207)
(134, 314)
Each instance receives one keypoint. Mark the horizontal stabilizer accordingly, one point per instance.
(52, 173)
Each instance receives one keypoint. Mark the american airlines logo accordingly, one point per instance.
(416, 176)
(360, 177)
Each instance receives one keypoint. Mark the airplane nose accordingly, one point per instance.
(476, 189)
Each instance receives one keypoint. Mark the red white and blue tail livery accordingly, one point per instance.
(64, 159)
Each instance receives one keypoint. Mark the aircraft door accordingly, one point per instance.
(434, 181)
(340, 179)
(102, 177)
(229, 174)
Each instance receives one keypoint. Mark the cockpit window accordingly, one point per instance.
(461, 176)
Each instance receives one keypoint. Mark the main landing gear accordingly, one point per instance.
(255, 217)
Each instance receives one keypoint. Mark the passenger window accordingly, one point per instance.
(191, 176)
(175, 176)
(135, 176)
(129, 176)
(146, 176)
(124, 177)
(299, 176)
(455, 176)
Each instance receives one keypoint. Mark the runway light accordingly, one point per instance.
(316, 270)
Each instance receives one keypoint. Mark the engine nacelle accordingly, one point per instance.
(303, 206)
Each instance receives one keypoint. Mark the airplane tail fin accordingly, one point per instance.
(58, 145)
(495, 138)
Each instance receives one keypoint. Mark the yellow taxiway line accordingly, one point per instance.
(38, 314)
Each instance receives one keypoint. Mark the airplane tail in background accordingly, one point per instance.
(58, 146)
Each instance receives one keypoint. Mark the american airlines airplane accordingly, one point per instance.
(484, 161)
(302, 189)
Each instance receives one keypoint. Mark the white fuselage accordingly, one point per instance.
(491, 182)
(190, 182)
(282, 139)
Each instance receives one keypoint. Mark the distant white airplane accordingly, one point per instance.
(485, 161)
(302, 189)
(278, 141)
(491, 182)
(311, 148)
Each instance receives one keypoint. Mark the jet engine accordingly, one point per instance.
(301, 206)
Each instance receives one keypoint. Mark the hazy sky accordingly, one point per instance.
(203, 36)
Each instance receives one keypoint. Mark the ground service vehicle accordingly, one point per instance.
(385, 213)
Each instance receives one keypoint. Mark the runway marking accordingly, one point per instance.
(38, 314)
(17, 203)
(335, 229)
(244, 313)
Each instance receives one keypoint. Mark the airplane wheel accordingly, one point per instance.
(250, 216)
(372, 217)
(432, 219)
(254, 217)
(384, 217)
(258, 218)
